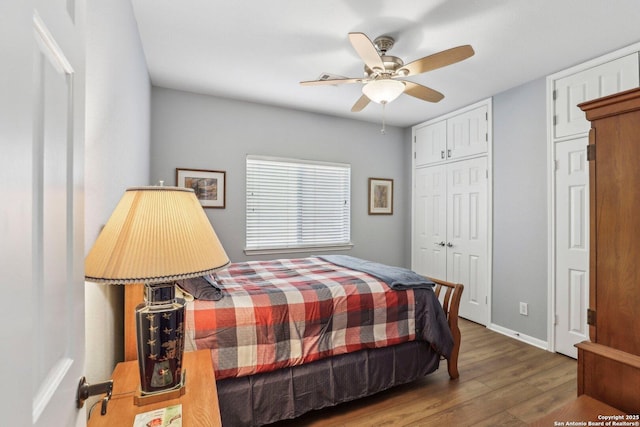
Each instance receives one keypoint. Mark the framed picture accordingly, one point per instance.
(380, 196)
(210, 186)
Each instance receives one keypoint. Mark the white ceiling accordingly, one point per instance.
(259, 50)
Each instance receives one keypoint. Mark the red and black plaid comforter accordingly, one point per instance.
(284, 313)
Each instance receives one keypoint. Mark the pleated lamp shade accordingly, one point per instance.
(155, 235)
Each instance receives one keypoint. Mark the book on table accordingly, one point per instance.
(170, 416)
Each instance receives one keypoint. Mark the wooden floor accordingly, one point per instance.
(503, 382)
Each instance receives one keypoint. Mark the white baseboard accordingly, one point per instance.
(519, 336)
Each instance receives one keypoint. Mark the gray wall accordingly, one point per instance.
(118, 92)
(205, 132)
(520, 209)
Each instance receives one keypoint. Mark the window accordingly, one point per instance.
(297, 205)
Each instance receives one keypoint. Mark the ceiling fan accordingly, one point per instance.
(383, 74)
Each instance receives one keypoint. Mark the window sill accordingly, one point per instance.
(269, 251)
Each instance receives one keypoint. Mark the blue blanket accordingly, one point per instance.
(396, 277)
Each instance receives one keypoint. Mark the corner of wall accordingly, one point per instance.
(116, 156)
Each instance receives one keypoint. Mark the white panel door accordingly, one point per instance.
(606, 79)
(42, 214)
(430, 143)
(467, 133)
(450, 230)
(430, 222)
(572, 245)
(467, 244)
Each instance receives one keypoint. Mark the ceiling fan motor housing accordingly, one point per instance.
(391, 65)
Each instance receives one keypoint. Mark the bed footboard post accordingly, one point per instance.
(452, 363)
(451, 306)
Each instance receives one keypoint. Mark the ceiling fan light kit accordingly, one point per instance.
(384, 73)
(383, 91)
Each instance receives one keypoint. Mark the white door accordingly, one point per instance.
(42, 131)
(572, 245)
(431, 143)
(467, 239)
(430, 222)
(605, 79)
(467, 133)
(571, 188)
(451, 230)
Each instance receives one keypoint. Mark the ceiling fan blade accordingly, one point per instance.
(329, 82)
(367, 51)
(362, 102)
(438, 60)
(421, 92)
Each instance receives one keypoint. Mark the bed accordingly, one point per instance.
(350, 328)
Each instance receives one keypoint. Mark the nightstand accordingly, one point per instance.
(199, 402)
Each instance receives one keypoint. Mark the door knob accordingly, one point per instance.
(439, 244)
(449, 244)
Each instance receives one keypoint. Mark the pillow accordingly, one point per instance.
(201, 288)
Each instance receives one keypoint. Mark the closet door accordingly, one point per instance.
(450, 230)
(596, 82)
(431, 143)
(461, 135)
(570, 180)
(430, 222)
(467, 239)
(467, 133)
(572, 245)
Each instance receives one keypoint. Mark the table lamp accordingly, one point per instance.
(155, 236)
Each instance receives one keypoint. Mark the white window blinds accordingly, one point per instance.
(297, 204)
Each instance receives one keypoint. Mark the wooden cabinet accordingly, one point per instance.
(199, 402)
(609, 365)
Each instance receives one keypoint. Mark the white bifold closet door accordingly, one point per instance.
(450, 230)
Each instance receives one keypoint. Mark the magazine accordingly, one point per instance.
(170, 416)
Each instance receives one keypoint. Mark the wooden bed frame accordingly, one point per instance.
(450, 302)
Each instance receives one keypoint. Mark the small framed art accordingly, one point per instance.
(380, 196)
(210, 186)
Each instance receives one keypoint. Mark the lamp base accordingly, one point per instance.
(160, 339)
(141, 398)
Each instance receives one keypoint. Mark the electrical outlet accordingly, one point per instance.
(524, 308)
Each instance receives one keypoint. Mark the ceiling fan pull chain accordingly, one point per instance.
(383, 130)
